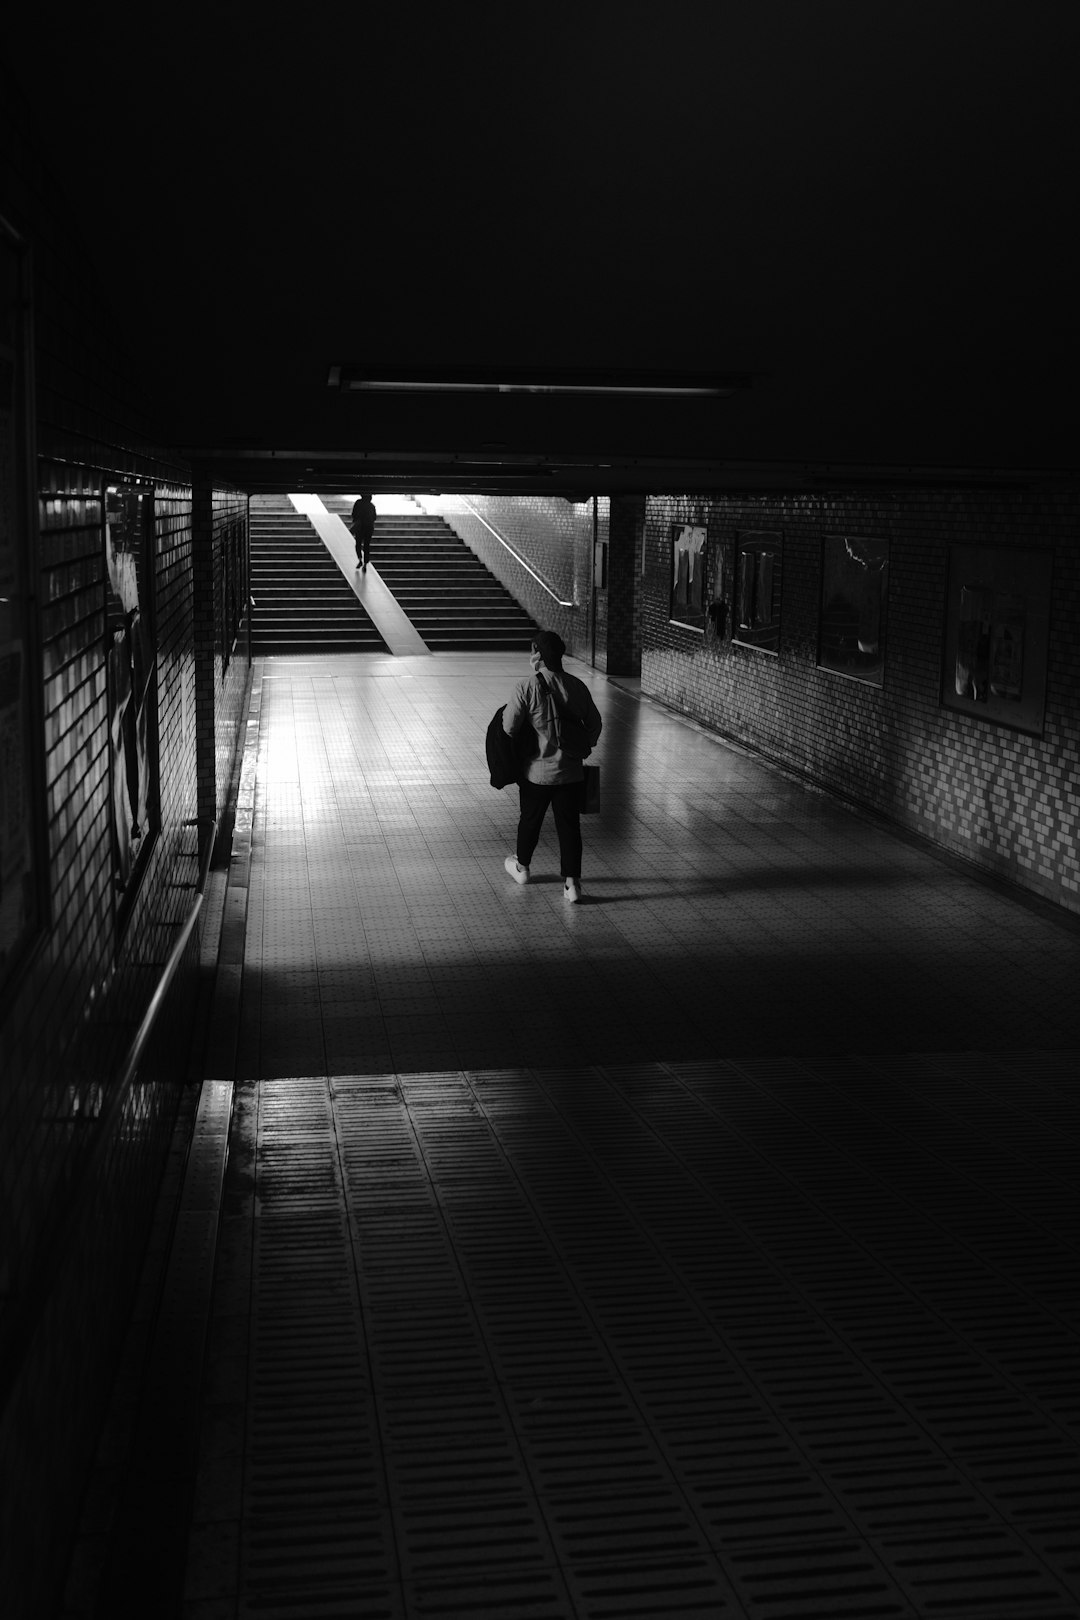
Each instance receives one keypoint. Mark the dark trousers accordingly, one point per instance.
(565, 802)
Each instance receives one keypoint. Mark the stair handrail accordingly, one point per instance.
(168, 973)
(47, 1268)
(529, 569)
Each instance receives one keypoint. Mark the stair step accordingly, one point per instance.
(303, 605)
(454, 601)
(303, 601)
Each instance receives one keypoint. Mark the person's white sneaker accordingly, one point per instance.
(520, 874)
(572, 891)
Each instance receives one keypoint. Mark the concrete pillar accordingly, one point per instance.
(626, 527)
(206, 642)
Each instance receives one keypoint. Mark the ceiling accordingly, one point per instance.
(866, 212)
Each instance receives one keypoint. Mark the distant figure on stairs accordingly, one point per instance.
(363, 526)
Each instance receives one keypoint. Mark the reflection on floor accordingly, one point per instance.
(729, 910)
(708, 1248)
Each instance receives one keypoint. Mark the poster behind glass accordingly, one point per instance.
(997, 633)
(132, 685)
(854, 597)
(22, 862)
(688, 554)
(759, 558)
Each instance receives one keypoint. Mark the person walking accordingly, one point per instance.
(566, 724)
(363, 527)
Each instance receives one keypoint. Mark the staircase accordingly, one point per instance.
(454, 602)
(302, 602)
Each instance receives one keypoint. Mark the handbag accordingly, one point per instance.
(590, 790)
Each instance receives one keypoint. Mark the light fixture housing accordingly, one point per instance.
(348, 378)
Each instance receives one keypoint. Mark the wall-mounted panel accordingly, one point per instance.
(1004, 794)
(997, 635)
(759, 564)
(689, 562)
(854, 606)
(131, 669)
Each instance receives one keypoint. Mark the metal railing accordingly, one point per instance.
(28, 1311)
(529, 569)
(168, 973)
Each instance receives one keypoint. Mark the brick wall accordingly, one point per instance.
(624, 593)
(72, 1013)
(555, 537)
(68, 1017)
(1005, 800)
(232, 662)
(71, 1016)
(222, 665)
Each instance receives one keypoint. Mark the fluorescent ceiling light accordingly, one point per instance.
(466, 380)
(380, 385)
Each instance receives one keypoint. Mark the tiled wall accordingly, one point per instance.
(222, 673)
(68, 1018)
(1008, 801)
(74, 1009)
(232, 666)
(70, 1001)
(72, 1015)
(624, 592)
(554, 535)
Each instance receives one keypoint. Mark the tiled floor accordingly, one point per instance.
(729, 911)
(708, 1248)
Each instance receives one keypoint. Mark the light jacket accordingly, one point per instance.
(531, 707)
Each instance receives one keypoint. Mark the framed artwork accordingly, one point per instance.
(717, 610)
(23, 856)
(688, 560)
(131, 666)
(997, 634)
(854, 598)
(758, 574)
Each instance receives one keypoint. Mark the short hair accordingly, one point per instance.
(551, 647)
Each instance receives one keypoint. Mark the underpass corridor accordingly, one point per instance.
(708, 1248)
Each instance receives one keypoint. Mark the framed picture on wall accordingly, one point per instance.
(854, 598)
(758, 574)
(997, 634)
(23, 853)
(689, 554)
(131, 670)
